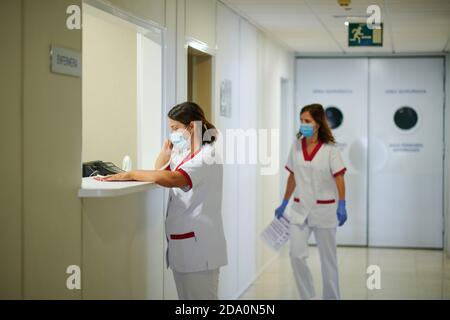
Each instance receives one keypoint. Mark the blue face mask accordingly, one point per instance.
(307, 130)
(178, 140)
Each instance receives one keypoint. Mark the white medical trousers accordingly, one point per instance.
(326, 244)
(202, 285)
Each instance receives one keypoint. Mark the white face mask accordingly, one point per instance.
(179, 141)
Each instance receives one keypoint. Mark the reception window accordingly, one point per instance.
(122, 87)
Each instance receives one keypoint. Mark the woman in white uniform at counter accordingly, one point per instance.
(194, 229)
(317, 181)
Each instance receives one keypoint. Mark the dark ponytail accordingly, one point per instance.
(187, 112)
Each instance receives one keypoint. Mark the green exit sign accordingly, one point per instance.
(359, 35)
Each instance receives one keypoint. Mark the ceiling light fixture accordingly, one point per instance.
(344, 3)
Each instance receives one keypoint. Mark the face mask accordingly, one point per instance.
(307, 130)
(178, 140)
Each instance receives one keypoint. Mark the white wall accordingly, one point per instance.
(173, 58)
(276, 63)
(201, 21)
(247, 174)
(150, 10)
(149, 102)
(227, 68)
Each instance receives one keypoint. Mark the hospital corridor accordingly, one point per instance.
(249, 151)
(411, 274)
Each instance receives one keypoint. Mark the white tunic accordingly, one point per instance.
(315, 196)
(194, 229)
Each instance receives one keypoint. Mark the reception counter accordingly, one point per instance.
(91, 188)
(123, 240)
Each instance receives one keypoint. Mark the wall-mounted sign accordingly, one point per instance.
(359, 35)
(65, 61)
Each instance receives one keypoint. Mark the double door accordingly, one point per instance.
(387, 116)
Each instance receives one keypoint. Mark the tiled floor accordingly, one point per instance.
(405, 274)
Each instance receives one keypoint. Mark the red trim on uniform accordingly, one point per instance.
(186, 175)
(310, 157)
(325, 201)
(296, 200)
(182, 236)
(287, 168)
(189, 157)
(168, 167)
(340, 172)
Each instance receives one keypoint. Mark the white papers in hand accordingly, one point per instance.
(277, 233)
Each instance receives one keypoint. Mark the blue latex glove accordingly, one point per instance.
(280, 210)
(341, 213)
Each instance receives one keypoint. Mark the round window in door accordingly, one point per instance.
(334, 116)
(406, 118)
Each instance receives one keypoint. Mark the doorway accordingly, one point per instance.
(387, 117)
(200, 66)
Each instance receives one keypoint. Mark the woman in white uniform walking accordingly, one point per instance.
(188, 166)
(316, 180)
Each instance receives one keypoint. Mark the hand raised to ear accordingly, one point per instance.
(167, 147)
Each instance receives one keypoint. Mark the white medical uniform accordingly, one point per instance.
(314, 210)
(194, 228)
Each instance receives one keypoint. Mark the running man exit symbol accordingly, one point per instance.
(360, 35)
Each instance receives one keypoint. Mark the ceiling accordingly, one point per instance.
(317, 26)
